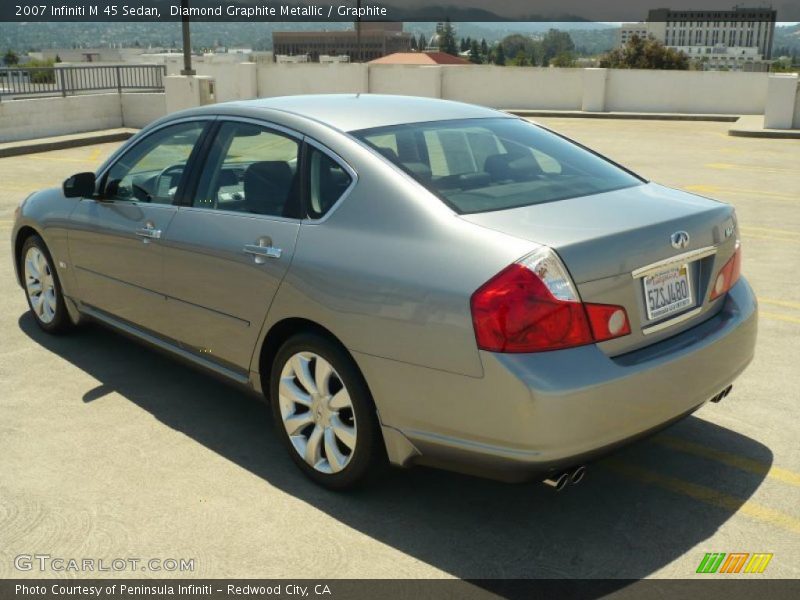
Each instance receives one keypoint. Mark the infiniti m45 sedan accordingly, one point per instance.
(406, 280)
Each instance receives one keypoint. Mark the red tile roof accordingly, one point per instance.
(420, 58)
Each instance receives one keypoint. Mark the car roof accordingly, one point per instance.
(351, 112)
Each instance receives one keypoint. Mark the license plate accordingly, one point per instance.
(667, 292)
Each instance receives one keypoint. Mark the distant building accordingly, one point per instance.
(630, 30)
(420, 58)
(739, 39)
(294, 58)
(327, 59)
(369, 40)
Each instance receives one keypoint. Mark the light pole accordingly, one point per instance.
(187, 40)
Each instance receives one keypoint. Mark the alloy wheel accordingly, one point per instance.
(40, 285)
(317, 412)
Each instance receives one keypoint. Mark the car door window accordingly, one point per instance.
(328, 180)
(151, 171)
(251, 169)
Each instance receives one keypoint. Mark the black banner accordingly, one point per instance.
(380, 10)
(706, 587)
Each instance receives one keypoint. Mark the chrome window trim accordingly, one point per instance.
(280, 129)
(674, 321)
(686, 257)
(344, 165)
(135, 141)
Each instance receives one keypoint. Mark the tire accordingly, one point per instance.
(324, 413)
(38, 272)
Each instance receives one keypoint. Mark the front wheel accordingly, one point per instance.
(324, 412)
(42, 287)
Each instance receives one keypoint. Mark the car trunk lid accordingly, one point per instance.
(610, 243)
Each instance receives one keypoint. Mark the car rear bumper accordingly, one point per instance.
(534, 413)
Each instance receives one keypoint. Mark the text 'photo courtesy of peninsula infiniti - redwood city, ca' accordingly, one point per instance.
(407, 281)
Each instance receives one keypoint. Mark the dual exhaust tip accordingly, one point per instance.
(559, 482)
(722, 394)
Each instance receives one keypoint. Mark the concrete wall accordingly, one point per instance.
(722, 92)
(406, 80)
(514, 87)
(797, 108)
(140, 109)
(46, 117)
(311, 78)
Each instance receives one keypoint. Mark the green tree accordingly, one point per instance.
(422, 43)
(565, 59)
(10, 58)
(644, 54)
(500, 56)
(413, 43)
(475, 53)
(554, 43)
(484, 47)
(463, 46)
(520, 60)
(447, 39)
(516, 43)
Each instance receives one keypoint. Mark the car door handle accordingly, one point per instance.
(149, 232)
(266, 251)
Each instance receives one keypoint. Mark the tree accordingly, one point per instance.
(475, 53)
(520, 60)
(484, 47)
(422, 43)
(516, 43)
(58, 58)
(10, 58)
(447, 40)
(500, 56)
(553, 44)
(463, 46)
(565, 59)
(413, 43)
(644, 54)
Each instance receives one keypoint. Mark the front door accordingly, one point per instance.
(228, 250)
(116, 244)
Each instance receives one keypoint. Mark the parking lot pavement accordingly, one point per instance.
(112, 451)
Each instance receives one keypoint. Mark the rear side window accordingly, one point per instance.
(480, 165)
(327, 182)
(251, 169)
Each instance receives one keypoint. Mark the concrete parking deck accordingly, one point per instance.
(110, 450)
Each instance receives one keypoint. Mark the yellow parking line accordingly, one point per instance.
(60, 159)
(778, 317)
(733, 460)
(726, 166)
(786, 303)
(714, 189)
(706, 495)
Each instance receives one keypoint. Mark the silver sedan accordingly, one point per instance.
(409, 281)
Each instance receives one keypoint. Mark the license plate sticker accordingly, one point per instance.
(667, 292)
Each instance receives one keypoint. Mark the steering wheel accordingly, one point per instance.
(170, 172)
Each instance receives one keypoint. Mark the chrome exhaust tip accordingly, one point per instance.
(577, 475)
(557, 482)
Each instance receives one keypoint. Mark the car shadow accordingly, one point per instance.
(636, 511)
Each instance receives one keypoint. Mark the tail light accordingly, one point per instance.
(532, 306)
(729, 274)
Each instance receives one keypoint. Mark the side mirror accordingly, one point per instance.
(80, 185)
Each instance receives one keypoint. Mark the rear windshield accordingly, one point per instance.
(480, 165)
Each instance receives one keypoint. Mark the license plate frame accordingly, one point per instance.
(667, 285)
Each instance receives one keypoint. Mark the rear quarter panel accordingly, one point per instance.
(391, 270)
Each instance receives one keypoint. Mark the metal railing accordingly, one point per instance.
(22, 82)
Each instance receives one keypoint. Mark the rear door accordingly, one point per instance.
(116, 238)
(230, 245)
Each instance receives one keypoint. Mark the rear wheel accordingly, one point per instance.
(324, 413)
(42, 287)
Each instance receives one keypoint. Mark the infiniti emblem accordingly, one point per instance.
(679, 239)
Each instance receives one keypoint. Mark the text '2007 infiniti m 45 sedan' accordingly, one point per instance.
(408, 281)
